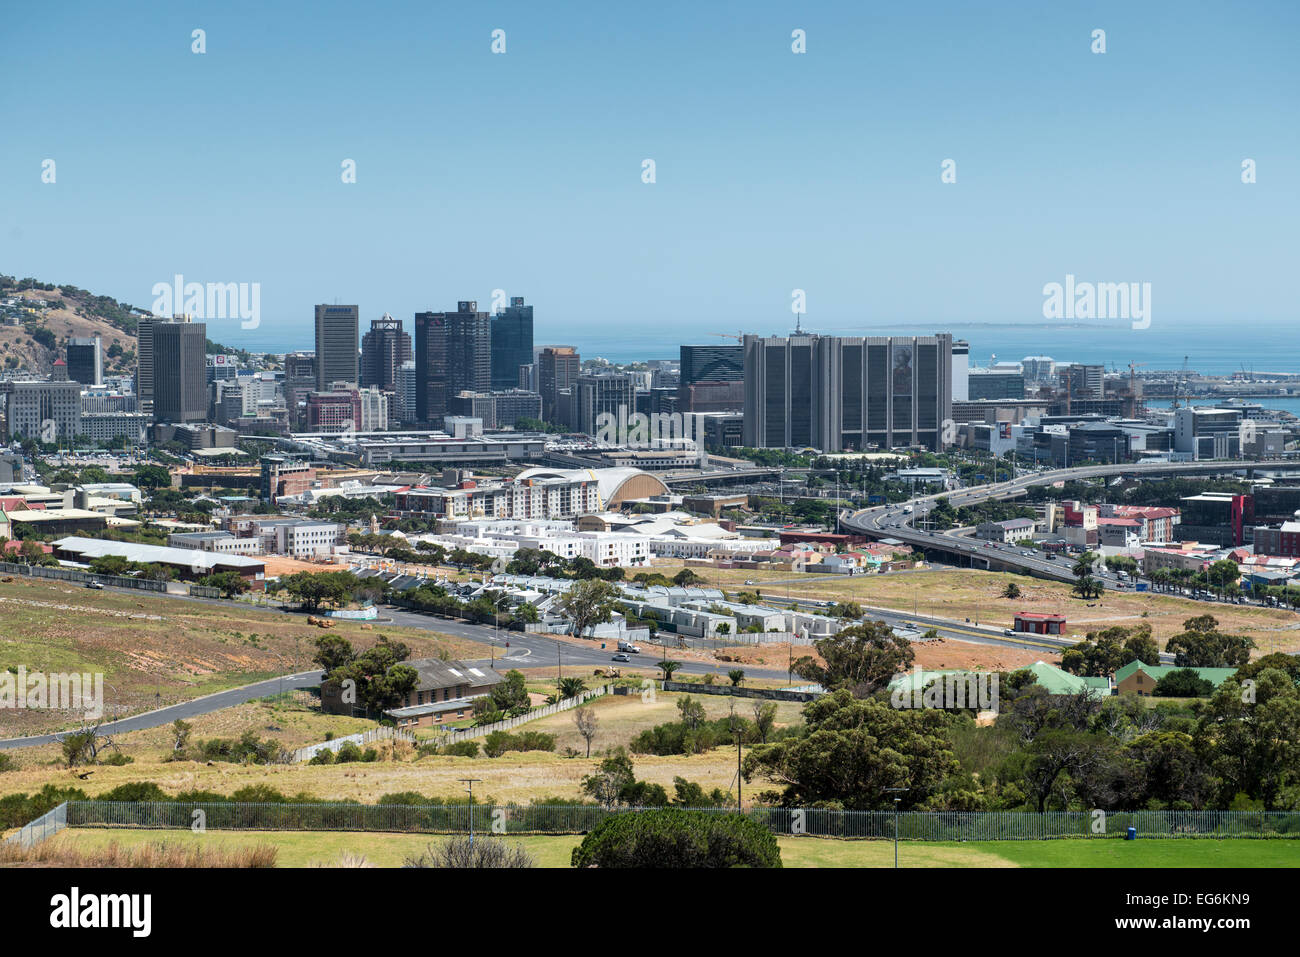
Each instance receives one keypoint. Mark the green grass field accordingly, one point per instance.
(313, 848)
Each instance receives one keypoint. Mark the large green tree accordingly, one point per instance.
(1249, 734)
(862, 659)
(1105, 652)
(1202, 645)
(588, 603)
(853, 749)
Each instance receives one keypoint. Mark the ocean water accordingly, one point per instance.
(1210, 350)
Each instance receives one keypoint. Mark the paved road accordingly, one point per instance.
(540, 651)
(525, 651)
(186, 709)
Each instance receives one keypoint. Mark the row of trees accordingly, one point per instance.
(1240, 748)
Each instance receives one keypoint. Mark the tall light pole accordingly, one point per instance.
(470, 782)
(496, 635)
(896, 791)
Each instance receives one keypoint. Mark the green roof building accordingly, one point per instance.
(1138, 677)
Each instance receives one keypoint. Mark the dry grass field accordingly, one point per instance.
(518, 777)
(153, 649)
(968, 593)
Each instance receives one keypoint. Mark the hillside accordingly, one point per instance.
(36, 329)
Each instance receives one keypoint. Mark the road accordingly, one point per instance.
(186, 709)
(525, 651)
(540, 651)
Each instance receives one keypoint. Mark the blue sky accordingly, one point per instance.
(775, 171)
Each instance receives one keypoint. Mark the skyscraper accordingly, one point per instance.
(383, 350)
(85, 361)
(180, 377)
(557, 370)
(512, 343)
(603, 394)
(453, 354)
(336, 345)
(847, 392)
(144, 361)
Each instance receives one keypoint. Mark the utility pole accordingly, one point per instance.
(738, 779)
(470, 782)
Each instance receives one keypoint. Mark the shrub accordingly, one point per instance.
(458, 852)
(1183, 683)
(135, 791)
(347, 753)
(461, 749)
(677, 838)
(409, 799)
(499, 742)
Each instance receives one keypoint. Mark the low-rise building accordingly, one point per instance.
(1140, 678)
(444, 692)
(1010, 530)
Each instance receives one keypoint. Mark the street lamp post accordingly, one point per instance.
(896, 801)
(470, 782)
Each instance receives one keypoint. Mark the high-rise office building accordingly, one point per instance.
(144, 361)
(600, 394)
(300, 365)
(557, 371)
(712, 364)
(453, 354)
(383, 350)
(85, 360)
(180, 377)
(512, 343)
(1080, 381)
(45, 411)
(960, 370)
(993, 384)
(336, 345)
(838, 393)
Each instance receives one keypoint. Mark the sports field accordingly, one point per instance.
(305, 849)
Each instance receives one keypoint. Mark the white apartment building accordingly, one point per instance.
(223, 543)
(296, 537)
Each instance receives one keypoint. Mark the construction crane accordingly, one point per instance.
(1132, 386)
(727, 335)
(1180, 381)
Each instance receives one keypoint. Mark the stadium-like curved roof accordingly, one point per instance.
(615, 485)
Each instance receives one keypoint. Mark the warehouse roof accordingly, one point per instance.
(92, 548)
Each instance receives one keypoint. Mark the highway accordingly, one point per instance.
(893, 521)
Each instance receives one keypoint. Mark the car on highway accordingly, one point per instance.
(621, 657)
(95, 584)
(750, 581)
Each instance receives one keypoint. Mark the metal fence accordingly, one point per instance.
(557, 819)
(47, 825)
(74, 575)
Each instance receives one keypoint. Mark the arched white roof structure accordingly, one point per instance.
(615, 485)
